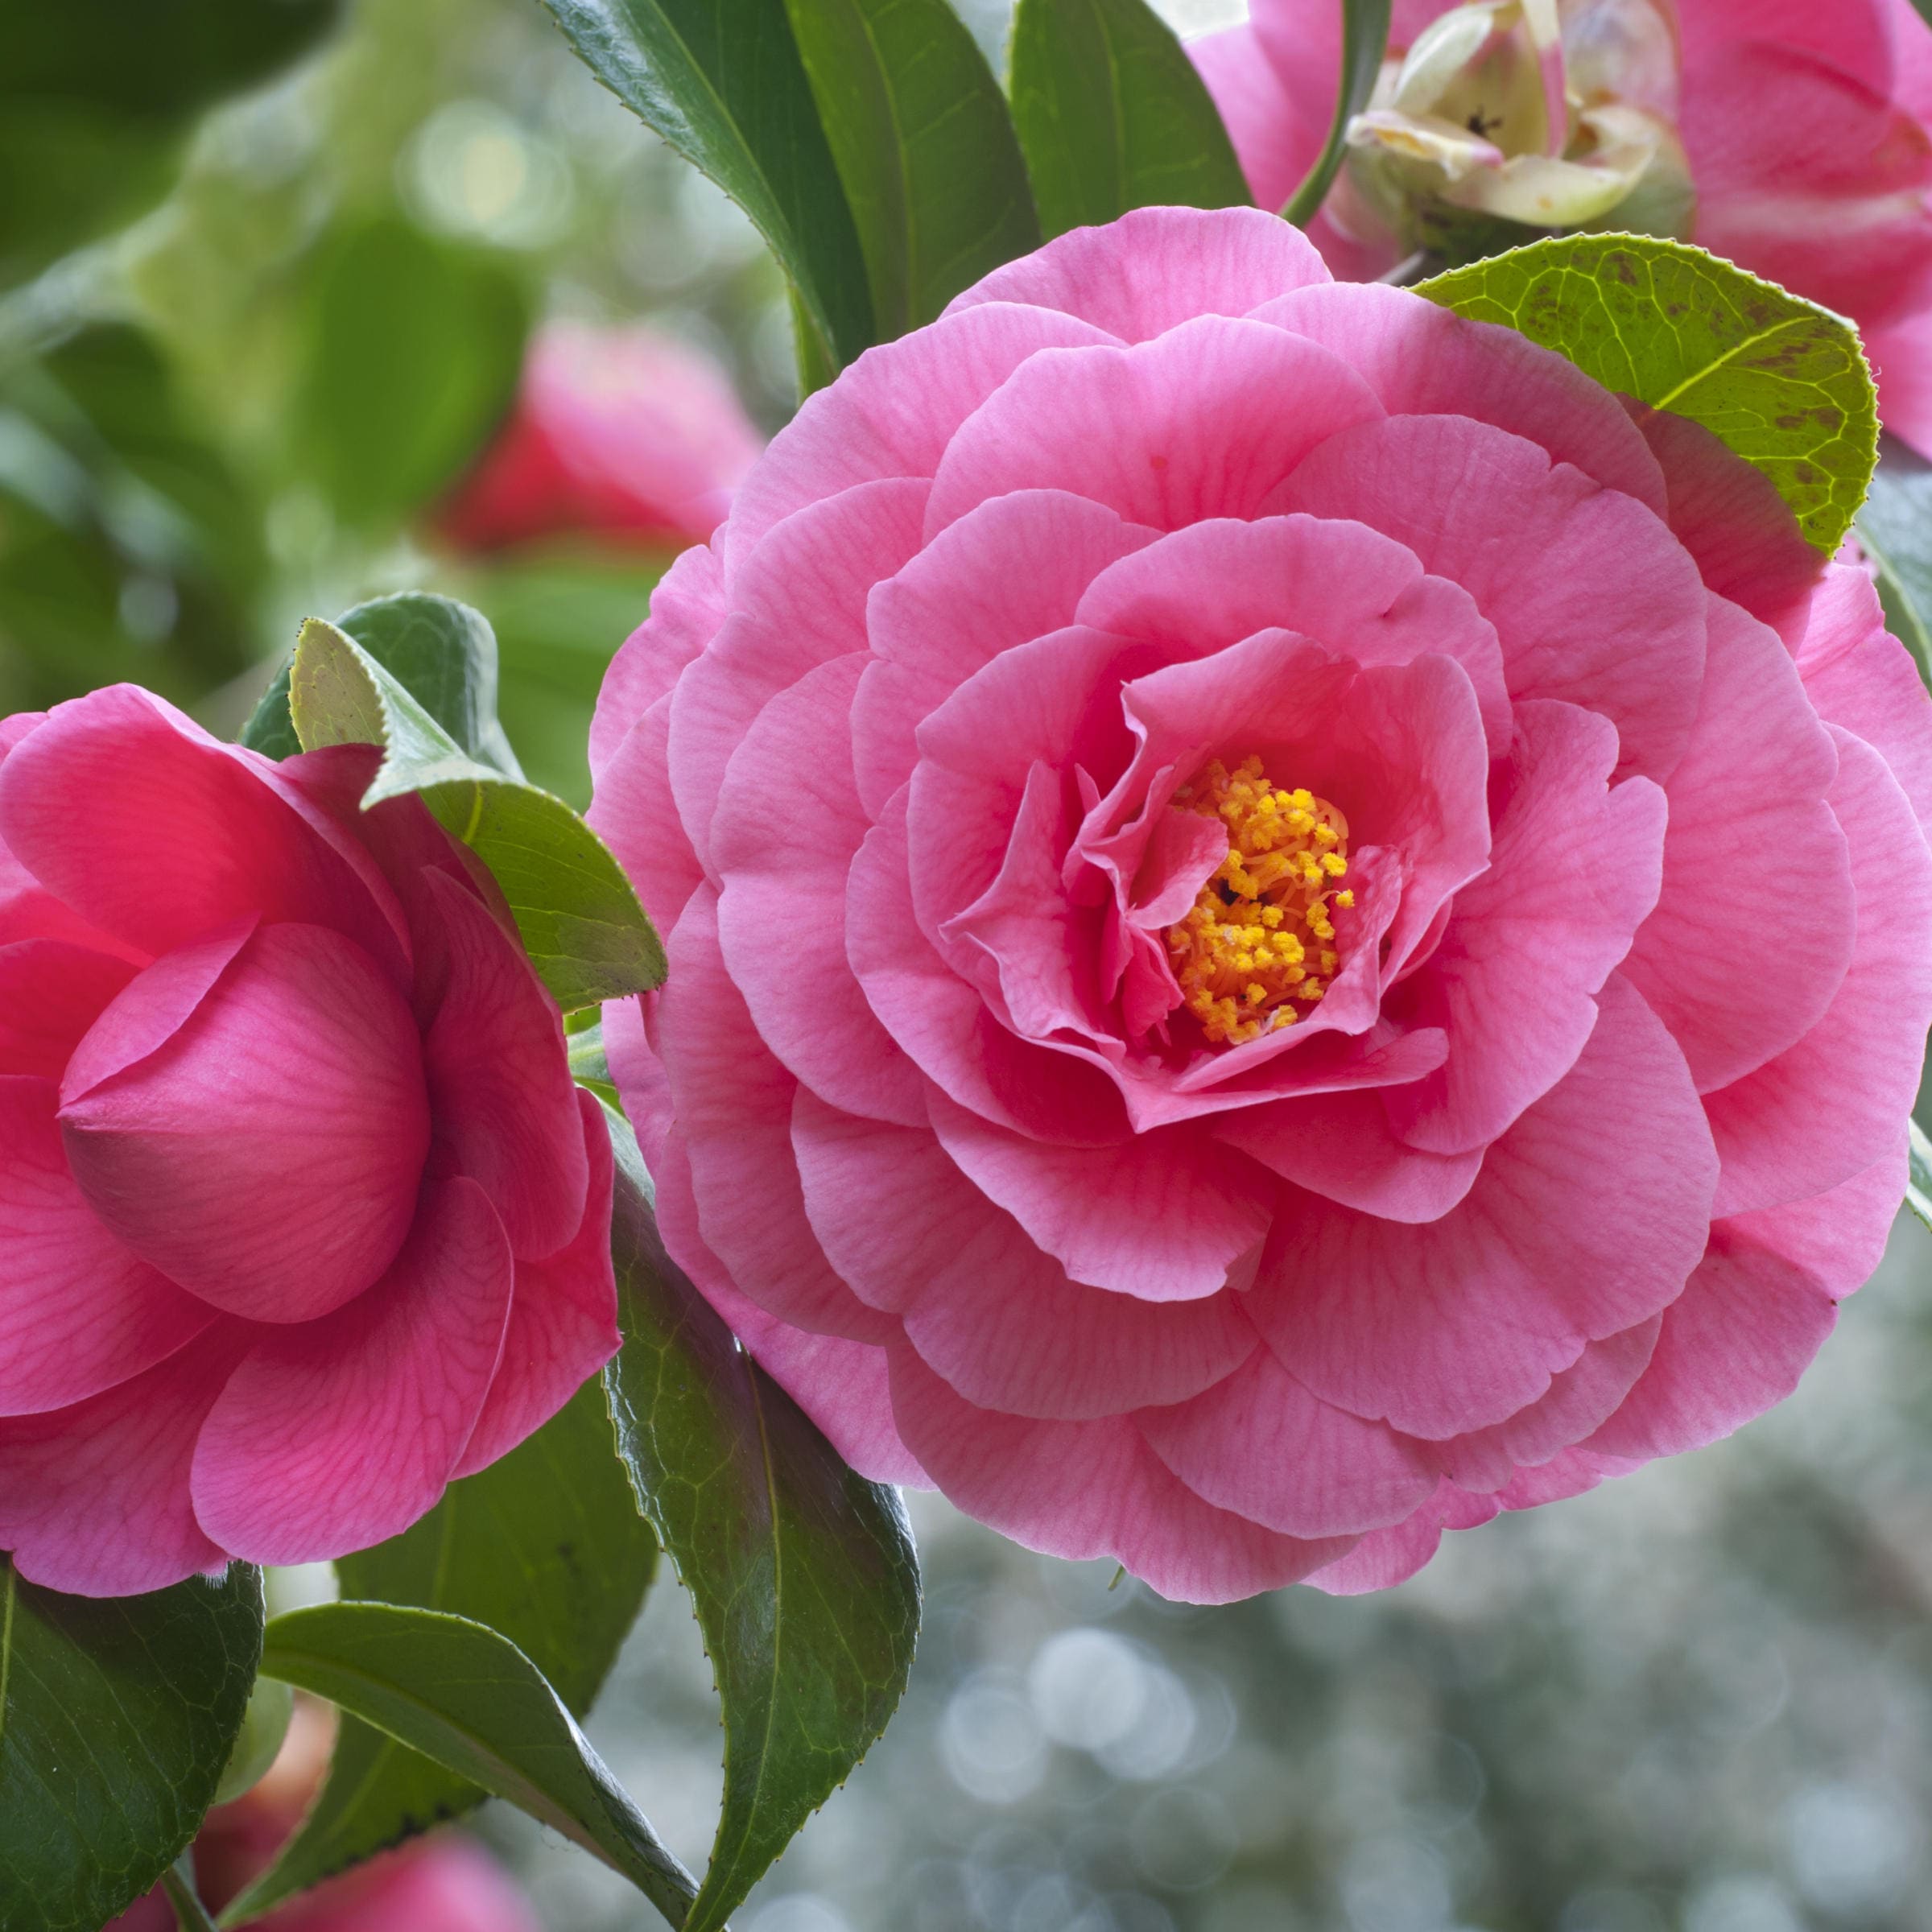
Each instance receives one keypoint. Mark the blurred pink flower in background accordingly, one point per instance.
(1791, 136)
(1285, 928)
(443, 1883)
(301, 1214)
(628, 434)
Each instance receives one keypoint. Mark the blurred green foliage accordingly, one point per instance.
(242, 409)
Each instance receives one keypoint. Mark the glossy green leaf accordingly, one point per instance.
(117, 1717)
(547, 1549)
(1918, 1174)
(924, 144)
(1895, 528)
(1782, 381)
(590, 1065)
(579, 918)
(414, 347)
(804, 1573)
(1364, 41)
(1112, 115)
(459, 1694)
(722, 81)
(97, 96)
(441, 652)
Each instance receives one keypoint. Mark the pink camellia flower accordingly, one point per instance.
(1286, 929)
(301, 1215)
(1793, 137)
(624, 434)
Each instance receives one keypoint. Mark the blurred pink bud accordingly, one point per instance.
(625, 433)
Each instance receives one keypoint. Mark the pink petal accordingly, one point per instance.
(1157, 269)
(1260, 1445)
(840, 1384)
(1160, 1217)
(1752, 850)
(687, 608)
(563, 1318)
(1579, 1401)
(1388, 1557)
(892, 413)
(1086, 1489)
(798, 601)
(1364, 596)
(339, 1433)
(94, 1499)
(788, 826)
(1593, 599)
(1901, 356)
(1568, 1236)
(1828, 1107)
(500, 1092)
(981, 1304)
(1205, 421)
(265, 1154)
(1340, 1145)
(151, 829)
(1424, 361)
(1859, 676)
(734, 1105)
(1277, 133)
(1009, 571)
(636, 814)
(52, 991)
(1728, 514)
(78, 1312)
(1573, 871)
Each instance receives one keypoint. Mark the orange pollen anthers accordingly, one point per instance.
(1258, 948)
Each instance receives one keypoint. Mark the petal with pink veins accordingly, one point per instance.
(342, 1432)
(94, 1499)
(1092, 1488)
(1755, 926)
(1828, 1107)
(52, 991)
(1573, 871)
(78, 1312)
(1260, 1445)
(1207, 420)
(563, 1318)
(1155, 270)
(1593, 599)
(1566, 1237)
(504, 1110)
(687, 607)
(263, 1149)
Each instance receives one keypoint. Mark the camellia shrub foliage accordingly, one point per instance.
(1268, 892)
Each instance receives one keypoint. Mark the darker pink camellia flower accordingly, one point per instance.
(623, 434)
(1286, 929)
(1793, 137)
(301, 1215)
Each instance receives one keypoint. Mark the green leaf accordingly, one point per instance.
(96, 96)
(547, 1549)
(1895, 528)
(1364, 41)
(579, 916)
(441, 652)
(1112, 115)
(924, 144)
(590, 1065)
(1782, 381)
(458, 1693)
(1918, 1174)
(414, 347)
(722, 81)
(804, 1573)
(117, 1717)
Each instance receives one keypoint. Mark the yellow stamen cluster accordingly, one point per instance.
(1258, 946)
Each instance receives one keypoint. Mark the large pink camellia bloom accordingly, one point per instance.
(624, 435)
(1284, 929)
(1793, 137)
(300, 1214)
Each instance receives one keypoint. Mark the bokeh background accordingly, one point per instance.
(249, 354)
